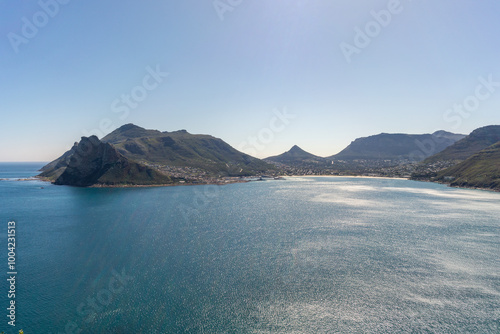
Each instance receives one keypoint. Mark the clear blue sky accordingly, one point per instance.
(227, 77)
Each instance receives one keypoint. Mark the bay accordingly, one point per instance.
(303, 255)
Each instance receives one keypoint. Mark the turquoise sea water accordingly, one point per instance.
(304, 255)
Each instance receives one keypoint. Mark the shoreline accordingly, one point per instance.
(162, 185)
(36, 178)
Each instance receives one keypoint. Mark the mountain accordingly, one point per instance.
(132, 155)
(182, 149)
(481, 170)
(478, 140)
(92, 162)
(445, 134)
(295, 156)
(397, 147)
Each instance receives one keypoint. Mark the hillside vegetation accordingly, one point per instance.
(182, 149)
(481, 170)
(478, 140)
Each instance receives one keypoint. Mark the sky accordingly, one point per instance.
(261, 75)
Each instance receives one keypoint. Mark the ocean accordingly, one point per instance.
(301, 255)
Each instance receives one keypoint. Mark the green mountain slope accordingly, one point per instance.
(478, 140)
(481, 170)
(182, 149)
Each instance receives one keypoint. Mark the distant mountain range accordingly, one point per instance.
(374, 151)
(132, 155)
(474, 159)
(397, 147)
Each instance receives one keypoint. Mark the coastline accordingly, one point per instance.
(219, 183)
(163, 185)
